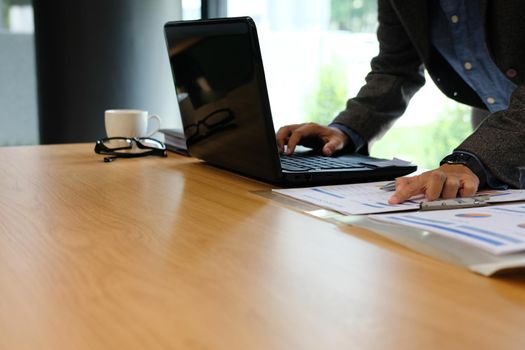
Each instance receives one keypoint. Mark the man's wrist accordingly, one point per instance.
(470, 160)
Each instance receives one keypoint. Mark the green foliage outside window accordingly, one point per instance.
(3, 14)
(330, 95)
(4, 10)
(425, 145)
(354, 15)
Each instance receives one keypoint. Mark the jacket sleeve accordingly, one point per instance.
(396, 75)
(499, 142)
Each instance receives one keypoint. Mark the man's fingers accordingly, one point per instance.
(311, 135)
(305, 130)
(469, 186)
(445, 182)
(407, 187)
(282, 136)
(451, 187)
(333, 145)
(294, 139)
(434, 184)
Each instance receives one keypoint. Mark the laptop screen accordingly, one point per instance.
(221, 92)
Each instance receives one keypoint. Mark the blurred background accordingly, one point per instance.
(63, 63)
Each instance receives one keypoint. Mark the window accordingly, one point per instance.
(16, 16)
(191, 9)
(18, 115)
(317, 54)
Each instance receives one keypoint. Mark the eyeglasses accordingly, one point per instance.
(126, 147)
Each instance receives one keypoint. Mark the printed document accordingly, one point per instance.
(363, 198)
(497, 229)
(369, 198)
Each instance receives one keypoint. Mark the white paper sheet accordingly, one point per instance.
(366, 198)
(497, 229)
(503, 196)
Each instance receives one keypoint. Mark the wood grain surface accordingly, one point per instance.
(174, 254)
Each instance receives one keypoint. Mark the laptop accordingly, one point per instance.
(225, 110)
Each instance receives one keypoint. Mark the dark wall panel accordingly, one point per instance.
(96, 55)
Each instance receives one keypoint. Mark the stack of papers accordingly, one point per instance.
(365, 198)
(175, 140)
(369, 198)
(496, 229)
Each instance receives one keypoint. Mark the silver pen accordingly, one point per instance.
(389, 186)
(455, 203)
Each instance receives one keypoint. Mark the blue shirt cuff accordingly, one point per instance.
(357, 141)
(490, 180)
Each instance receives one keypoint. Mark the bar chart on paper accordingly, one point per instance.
(363, 198)
(498, 229)
(369, 198)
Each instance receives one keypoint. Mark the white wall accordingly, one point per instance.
(153, 70)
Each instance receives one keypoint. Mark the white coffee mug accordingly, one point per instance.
(130, 123)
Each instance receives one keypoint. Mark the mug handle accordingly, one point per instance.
(157, 118)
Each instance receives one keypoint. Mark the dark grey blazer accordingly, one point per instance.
(397, 74)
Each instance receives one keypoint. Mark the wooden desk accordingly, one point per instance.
(173, 254)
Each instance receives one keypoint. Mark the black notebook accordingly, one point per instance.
(175, 141)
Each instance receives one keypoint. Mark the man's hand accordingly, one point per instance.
(447, 181)
(311, 135)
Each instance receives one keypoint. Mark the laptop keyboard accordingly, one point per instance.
(298, 162)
